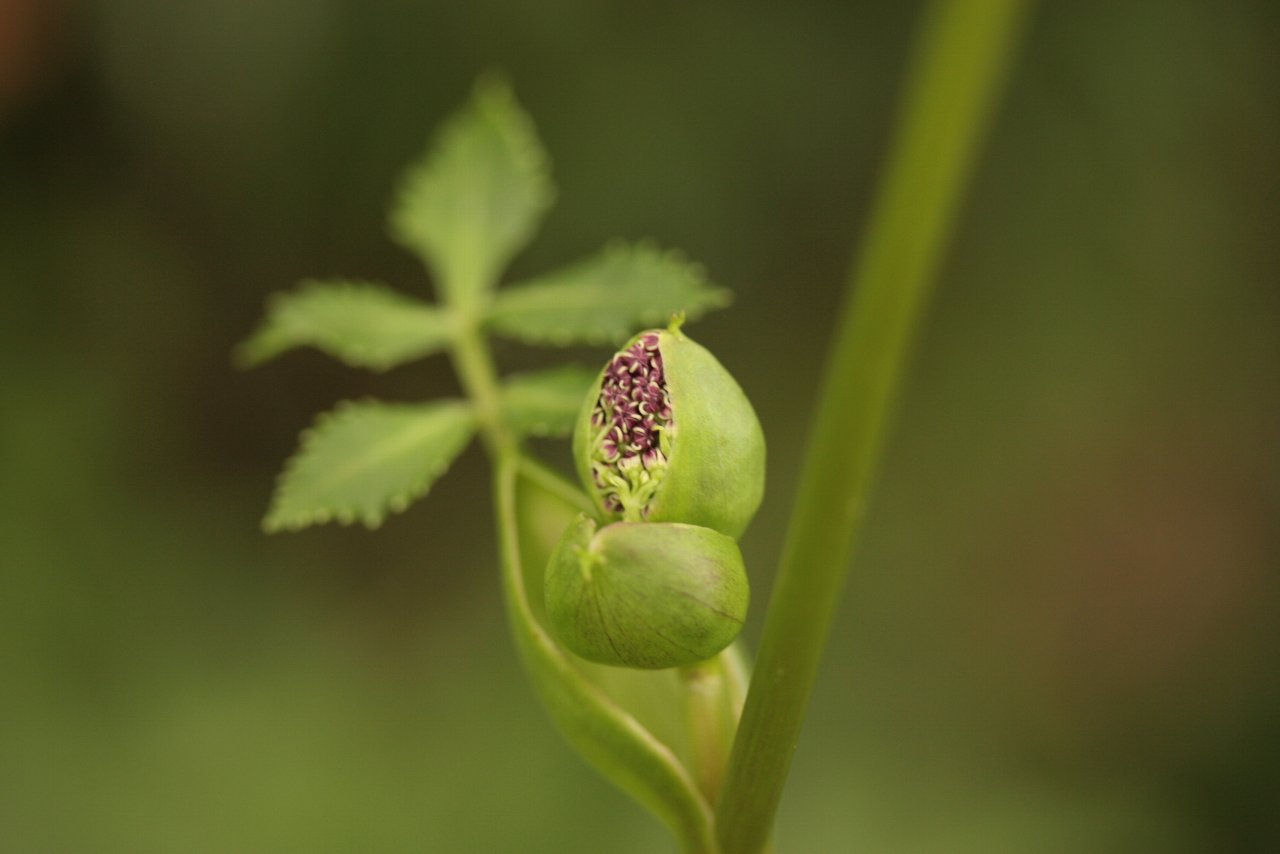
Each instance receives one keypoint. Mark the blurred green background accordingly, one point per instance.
(1061, 633)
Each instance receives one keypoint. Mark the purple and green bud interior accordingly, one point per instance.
(632, 430)
(667, 435)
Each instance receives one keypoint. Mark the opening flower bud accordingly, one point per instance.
(667, 435)
(651, 595)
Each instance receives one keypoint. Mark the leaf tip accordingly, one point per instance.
(492, 85)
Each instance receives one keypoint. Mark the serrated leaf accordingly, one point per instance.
(478, 195)
(606, 297)
(364, 324)
(545, 403)
(364, 460)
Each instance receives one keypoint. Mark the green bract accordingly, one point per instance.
(666, 435)
(646, 595)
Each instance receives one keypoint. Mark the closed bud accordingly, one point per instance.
(667, 435)
(645, 595)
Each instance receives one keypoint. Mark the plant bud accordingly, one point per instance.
(645, 595)
(666, 435)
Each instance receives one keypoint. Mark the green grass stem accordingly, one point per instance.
(960, 58)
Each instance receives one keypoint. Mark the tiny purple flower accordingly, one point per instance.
(634, 403)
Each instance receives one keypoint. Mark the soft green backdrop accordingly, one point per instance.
(1061, 633)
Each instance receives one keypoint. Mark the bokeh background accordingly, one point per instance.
(1061, 632)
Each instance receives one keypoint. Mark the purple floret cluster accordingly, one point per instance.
(634, 427)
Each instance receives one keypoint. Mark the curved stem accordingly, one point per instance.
(604, 734)
(552, 482)
(958, 64)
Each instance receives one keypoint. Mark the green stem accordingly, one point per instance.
(711, 722)
(474, 365)
(959, 61)
(604, 734)
(553, 483)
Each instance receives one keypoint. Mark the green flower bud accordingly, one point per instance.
(645, 595)
(666, 435)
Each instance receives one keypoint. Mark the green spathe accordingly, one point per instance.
(645, 595)
(714, 472)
